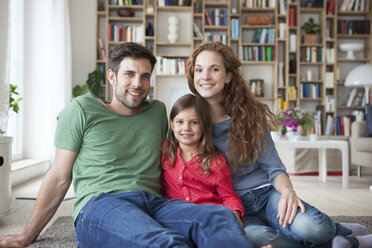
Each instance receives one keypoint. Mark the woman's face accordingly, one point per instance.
(210, 75)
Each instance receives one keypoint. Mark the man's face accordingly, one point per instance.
(132, 82)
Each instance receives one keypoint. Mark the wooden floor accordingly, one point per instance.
(328, 196)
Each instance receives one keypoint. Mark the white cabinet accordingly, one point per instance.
(5, 162)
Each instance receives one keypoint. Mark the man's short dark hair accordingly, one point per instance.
(129, 50)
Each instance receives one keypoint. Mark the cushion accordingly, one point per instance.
(368, 121)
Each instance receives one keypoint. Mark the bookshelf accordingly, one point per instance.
(294, 74)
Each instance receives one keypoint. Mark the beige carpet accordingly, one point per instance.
(61, 232)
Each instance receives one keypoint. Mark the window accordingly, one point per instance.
(16, 73)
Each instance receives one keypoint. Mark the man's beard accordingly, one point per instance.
(126, 104)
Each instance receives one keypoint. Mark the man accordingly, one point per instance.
(111, 152)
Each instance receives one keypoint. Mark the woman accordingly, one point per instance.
(273, 212)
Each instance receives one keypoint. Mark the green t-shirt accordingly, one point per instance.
(116, 153)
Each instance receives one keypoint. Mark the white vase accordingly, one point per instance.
(172, 29)
(290, 135)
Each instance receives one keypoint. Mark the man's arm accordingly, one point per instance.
(51, 193)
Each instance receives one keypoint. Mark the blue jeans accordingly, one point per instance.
(141, 219)
(310, 229)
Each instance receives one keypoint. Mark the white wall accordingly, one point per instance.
(83, 39)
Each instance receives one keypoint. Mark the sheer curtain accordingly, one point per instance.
(4, 54)
(47, 73)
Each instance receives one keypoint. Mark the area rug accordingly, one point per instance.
(61, 233)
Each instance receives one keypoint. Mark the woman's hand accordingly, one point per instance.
(237, 215)
(287, 207)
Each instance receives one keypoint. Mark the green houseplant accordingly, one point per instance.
(311, 29)
(13, 102)
(93, 84)
(294, 118)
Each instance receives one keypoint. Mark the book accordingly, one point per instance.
(291, 17)
(351, 97)
(208, 18)
(197, 31)
(331, 7)
(329, 79)
(101, 49)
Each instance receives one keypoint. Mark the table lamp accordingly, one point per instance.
(360, 76)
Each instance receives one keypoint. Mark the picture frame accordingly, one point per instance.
(257, 87)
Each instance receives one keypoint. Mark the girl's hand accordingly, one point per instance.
(287, 207)
(237, 215)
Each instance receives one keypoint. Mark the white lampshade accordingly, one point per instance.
(359, 76)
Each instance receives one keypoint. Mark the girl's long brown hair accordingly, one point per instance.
(250, 119)
(206, 148)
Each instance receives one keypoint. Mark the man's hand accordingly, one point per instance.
(17, 240)
(287, 208)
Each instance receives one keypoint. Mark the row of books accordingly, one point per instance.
(355, 98)
(163, 3)
(101, 50)
(292, 93)
(258, 53)
(119, 32)
(216, 17)
(215, 37)
(353, 26)
(311, 54)
(339, 125)
(282, 7)
(235, 28)
(171, 65)
(330, 103)
(317, 127)
(264, 35)
(260, 4)
(355, 5)
(198, 6)
(125, 2)
(311, 90)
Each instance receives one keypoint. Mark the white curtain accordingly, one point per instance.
(47, 73)
(4, 65)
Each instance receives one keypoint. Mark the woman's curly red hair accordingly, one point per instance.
(250, 118)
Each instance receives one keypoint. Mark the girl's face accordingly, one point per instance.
(210, 75)
(186, 128)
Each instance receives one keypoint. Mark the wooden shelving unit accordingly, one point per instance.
(240, 38)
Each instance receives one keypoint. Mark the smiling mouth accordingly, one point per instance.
(134, 93)
(206, 86)
(186, 135)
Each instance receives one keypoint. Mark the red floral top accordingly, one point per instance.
(187, 182)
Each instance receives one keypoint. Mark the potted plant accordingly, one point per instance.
(93, 84)
(13, 101)
(292, 119)
(311, 29)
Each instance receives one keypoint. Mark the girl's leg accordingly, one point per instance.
(206, 225)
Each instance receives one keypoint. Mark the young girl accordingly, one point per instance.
(273, 212)
(193, 169)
